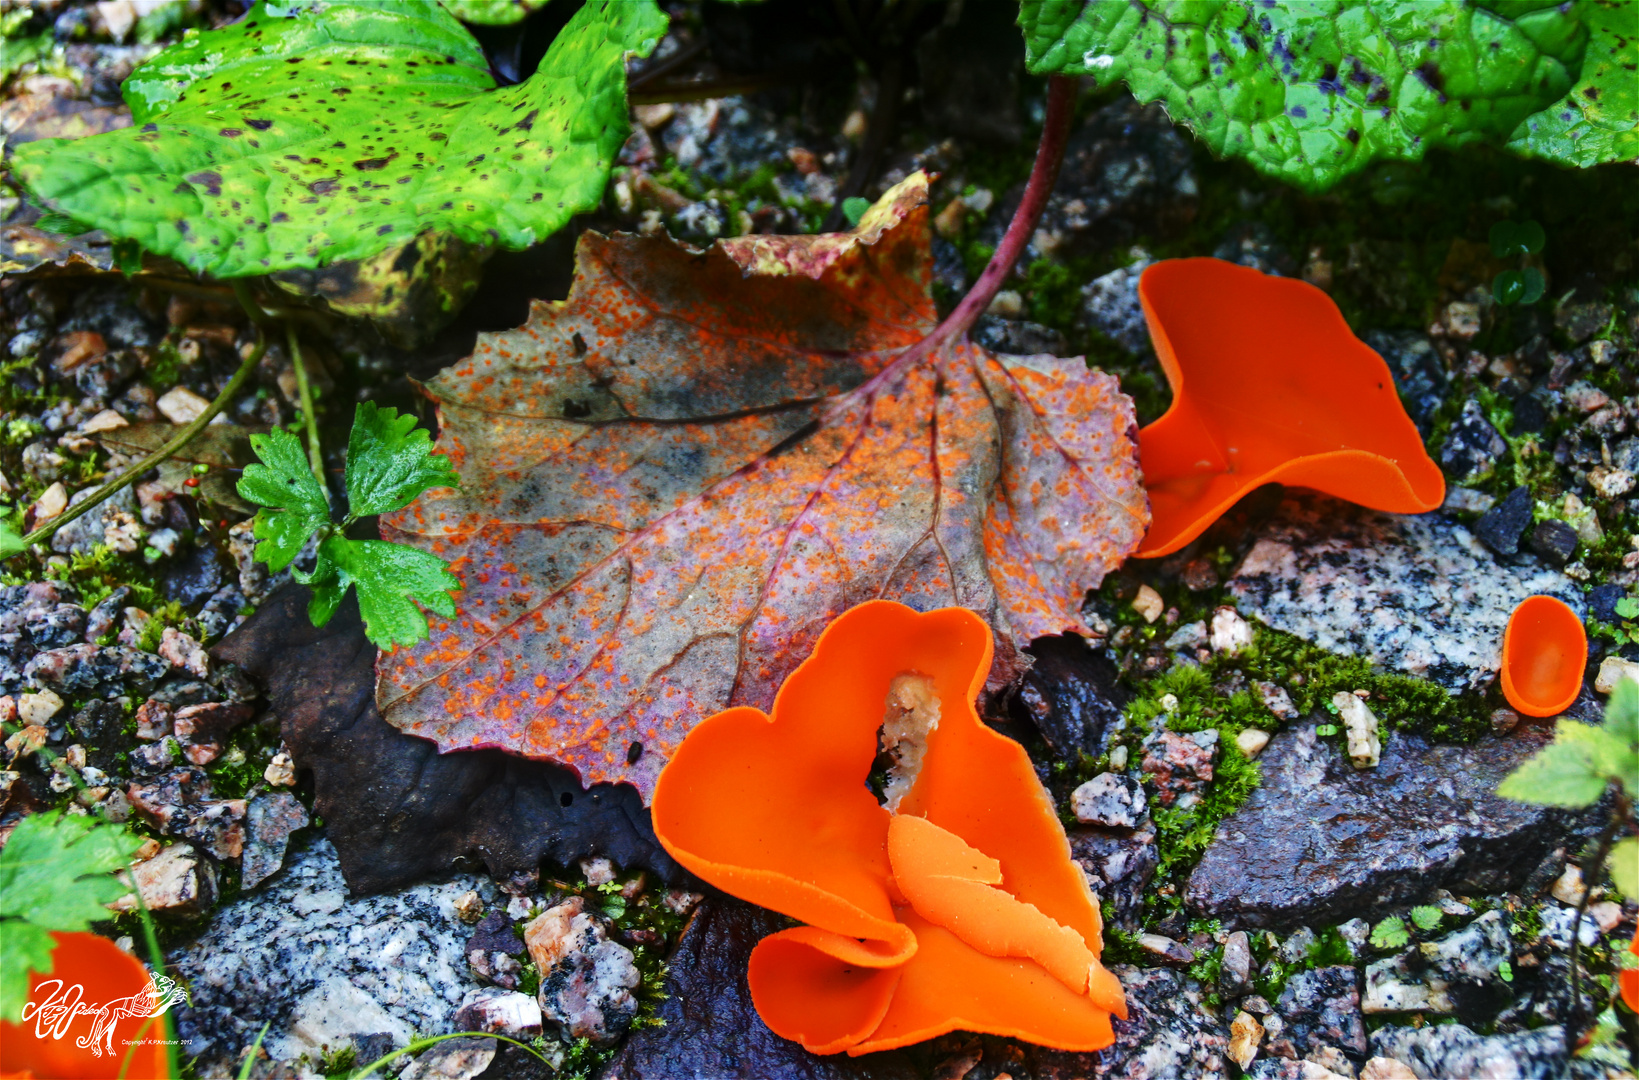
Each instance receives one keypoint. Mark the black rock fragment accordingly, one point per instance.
(1071, 695)
(711, 1028)
(1321, 842)
(1500, 527)
(397, 810)
(1472, 448)
(1554, 540)
(1602, 601)
(1321, 1007)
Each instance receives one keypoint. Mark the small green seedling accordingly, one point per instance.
(390, 464)
(1626, 627)
(1390, 934)
(1518, 239)
(854, 208)
(1426, 916)
(56, 873)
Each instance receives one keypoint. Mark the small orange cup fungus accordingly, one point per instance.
(1269, 384)
(1544, 652)
(955, 906)
(1629, 977)
(82, 1018)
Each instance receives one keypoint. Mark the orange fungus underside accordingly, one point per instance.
(1269, 385)
(94, 973)
(1630, 977)
(961, 909)
(1544, 652)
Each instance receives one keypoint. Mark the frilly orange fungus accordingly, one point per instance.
(959, 908)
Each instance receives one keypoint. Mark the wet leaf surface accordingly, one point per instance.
(398, 811)
(674, 480)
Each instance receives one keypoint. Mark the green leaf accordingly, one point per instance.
(1622, 712)
(854, 207)
(1391, 933)
(1598, 119)
(10, 543)
(1567, 772)
(492, 12)
(284, 482)
(390, 462)
(1628, 607)
(56, 873)
(305, 134)
(390, 578)
(24, 947)
(61, 224)
(1509, 238)
(1326, 730)
(1310, 92)
(1518, 286)
(1505, 972)
(1426, 916)
(1625, 867)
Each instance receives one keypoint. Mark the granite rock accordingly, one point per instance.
(269, 821)
(322, 967)
(1455, 1050)
(1320, 841)
(1109, 304)
(1114, 800)
(1321, 1007)
(586, 979)
(1473, 446)
(1412, 592)
(1179, 766)
(1458, 973)
(455, 1059)
(1167, 1031)
(1119, 864)
(1419, 376)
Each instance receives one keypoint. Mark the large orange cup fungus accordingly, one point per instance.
(1544, 652)
(955, 906)
(1269, 384)
(83, 1018)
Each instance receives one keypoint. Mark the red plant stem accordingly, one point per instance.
(1055, 135)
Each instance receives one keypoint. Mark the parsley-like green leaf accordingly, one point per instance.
(390, 579)
(1628, 607)
(1426, 916)
(283, 482)
(390, 462)
(1391, 933)
(55, 874)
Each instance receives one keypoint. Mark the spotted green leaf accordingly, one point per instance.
(1312, 90)
(1598, 119)
(491, 12)
(308, 133)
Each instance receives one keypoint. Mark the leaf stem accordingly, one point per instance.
(310, 419)
(177, 442)
(1593, 869)
(1055, 135)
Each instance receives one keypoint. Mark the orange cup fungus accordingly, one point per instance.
(1269, 384)
(83, 1017)
(954, 906)
(1544, 652)
(1629, 977)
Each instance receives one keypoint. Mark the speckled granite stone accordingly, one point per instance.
(1412, 592)
(322, 967)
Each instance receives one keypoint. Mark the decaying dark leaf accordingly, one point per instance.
(397, 810)
(674, 480)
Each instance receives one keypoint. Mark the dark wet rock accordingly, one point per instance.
(1413, 592)
(1582, 321)
(1109, 304)
(269, 822)
(100, 727)
(1419, 376)
(1554, 540)
(56, 627)
(586, 979)
(1017, 338)
(1455, 1050)
(1501, 527)
(1321, 1007)
(493, 950)
(1321, 841)
(220, 612)
(95, 671)
(711, 1030)
(1530, 415)
(1114, 800)
(1071, 695)
(1119, 865)
(456, 1059)
(194, 576)
(396, 809)
(180, 803)
(1473, 446)
(1602, 601)
(1179, 766)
